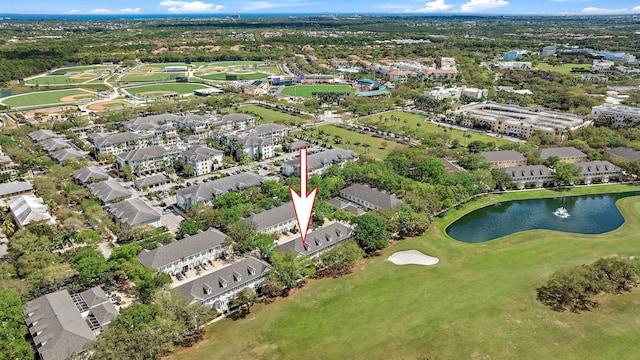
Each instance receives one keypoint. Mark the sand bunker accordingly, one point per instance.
(412, 257)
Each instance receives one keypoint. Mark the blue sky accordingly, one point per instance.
(555, 7)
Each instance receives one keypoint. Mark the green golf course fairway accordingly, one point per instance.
(479, 302)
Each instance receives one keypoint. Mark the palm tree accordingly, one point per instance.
(357, 143)
(366, 147)
(8, 228)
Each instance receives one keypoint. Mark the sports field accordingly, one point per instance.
(52, 97)
(81, 69)
(564, 68)
(274, 116)
(161, 66)
(223, 76)
(234, 63)
(242, 70)
(306, 90)
(62, 79)
(179, 88)
(150, 76)
(352, 140)
(417, 127)
(477, 303)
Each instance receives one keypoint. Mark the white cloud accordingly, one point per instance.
(74, 12)
(130, 10)
(432, 7)
(600, 11)
(101, 11)
(479, 5)
(190, 6)
(106, 11)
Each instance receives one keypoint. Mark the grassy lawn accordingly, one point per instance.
(233, 63)
(273, 116)
(180, 88)
(80, 69)
(417, 127)
(223, 76)
(42, 97)
(379, 148)
(564, 68)
(155, 76)
(163, 65)
(306, 90)
(59, 79)
(477, 303)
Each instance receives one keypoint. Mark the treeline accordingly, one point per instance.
(576, 289)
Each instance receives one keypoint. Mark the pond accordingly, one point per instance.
(586, 214)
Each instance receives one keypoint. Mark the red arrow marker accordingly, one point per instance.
(303, 203)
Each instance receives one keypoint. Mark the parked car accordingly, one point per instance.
(111, 289)
(179, 276)
(205, 266)
(116, 300)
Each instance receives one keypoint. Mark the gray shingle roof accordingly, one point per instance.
(319, 239)
(109, 190)
(319, 160)
(234, 275)
(67, 154)
(502, 155)
(527, 171)
(152, 180)
(371, 195)
(14, 187)
(133, 212)
(209, 190)
(117, 138)
(625, 153)
(92, 172)
(236, 117)
(190, 245)
(53, 144)
(561, 152)
(266, 129)
(40, 135)
(197, 153)
(591, 168)
(340, 204)
(150, 152)
(61, 326)
(273, 216)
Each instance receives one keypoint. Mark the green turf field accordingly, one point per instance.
(306, 90)
(477, 303)
(153, 76)
(223, 76)
(80, 69)
(60, 79)
(180, 88)
(163, 65)
(233, 63)
(42, 98)
(564, 68)
(273, 116)
(395, 121)
(379, 148)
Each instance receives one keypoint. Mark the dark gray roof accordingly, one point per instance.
(502, 155)
(105, 313)
(197, 153)
(527, 171)
(266, 129)
(320, 159)
(133, 212)
(40, 135)
(371, 195)
(252, 141)
(340, 204)
(273, 216)
(190, 245)
(53, 144)
(92, 172)
(625, 153)
(94, 296)
(234, 275)
(152, 180)
(62, 328)
(209, 190)
(150, 152)
(117, 138)
(319, 239)
(108, 190)
(561, 152)
(67, 154)
(297, 145)
(590, 168)
(14, 187)
(149, 122)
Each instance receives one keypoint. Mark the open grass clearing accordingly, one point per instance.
(50, 97)
(379, 148)
(233, 63)
(161, 66)
(81, 69)
(62, 79)
(477, 303)
(180, 88)
(563, 68)
(149, 76)
(416, 126)
(306, 91)
(274, 116)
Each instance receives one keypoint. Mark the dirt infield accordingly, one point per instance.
(72, 98)
(152, 69)
(84, 76)
(103, 105)
(158, 92)
(146, 74)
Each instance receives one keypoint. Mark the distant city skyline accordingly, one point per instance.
(443, 7)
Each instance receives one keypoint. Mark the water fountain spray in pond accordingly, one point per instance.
(561, 213)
